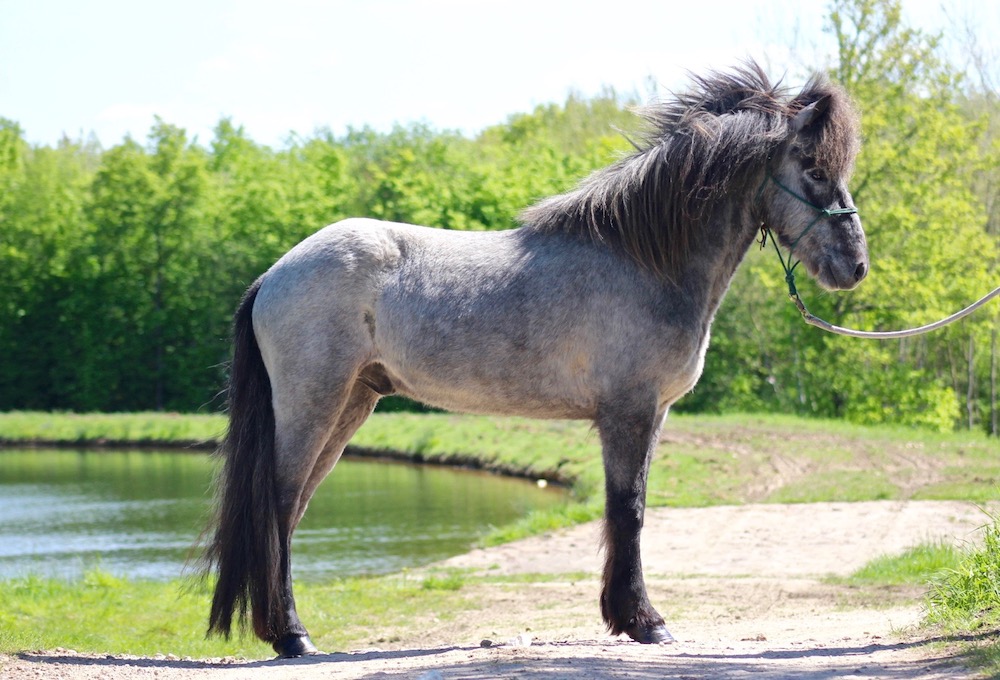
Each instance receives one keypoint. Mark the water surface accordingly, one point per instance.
(138, 513)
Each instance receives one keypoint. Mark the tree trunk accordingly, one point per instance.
(993, 382)
(970, 394)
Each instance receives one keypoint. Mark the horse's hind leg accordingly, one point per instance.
(359, 406)
(308, 401)
(299, 442)
(302, 475)
(628, 436)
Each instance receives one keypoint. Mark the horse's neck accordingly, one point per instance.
(716, 254)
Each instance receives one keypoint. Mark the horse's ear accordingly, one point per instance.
(811, 114)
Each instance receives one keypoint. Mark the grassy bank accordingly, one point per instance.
(100, 429)
(702, 460)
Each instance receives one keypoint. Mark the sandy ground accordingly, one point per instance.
(741, 589)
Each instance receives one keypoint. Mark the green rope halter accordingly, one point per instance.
(821, 213)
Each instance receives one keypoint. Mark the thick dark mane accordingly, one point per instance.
(707, 143)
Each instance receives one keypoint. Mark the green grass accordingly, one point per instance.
(967, 596)
(712, 460)
(541, 521)
(892, 580)
(102, 613)
(918, 565)
(167, 429)
(964, 602)
(556, 450)
(452, 580)
(842, 485)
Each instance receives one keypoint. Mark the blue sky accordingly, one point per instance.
(108, 66)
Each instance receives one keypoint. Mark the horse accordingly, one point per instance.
(597, 306)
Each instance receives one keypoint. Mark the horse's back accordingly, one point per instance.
(327, 292)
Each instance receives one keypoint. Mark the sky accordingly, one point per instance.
(108, 67)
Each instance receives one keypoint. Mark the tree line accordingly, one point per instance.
(120, 267)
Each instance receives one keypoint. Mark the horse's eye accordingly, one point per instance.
(817, 175)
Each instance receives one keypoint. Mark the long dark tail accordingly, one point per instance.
(245, 549)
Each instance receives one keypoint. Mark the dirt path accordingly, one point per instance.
(741, 589)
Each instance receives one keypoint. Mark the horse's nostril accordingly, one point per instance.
(861, 271)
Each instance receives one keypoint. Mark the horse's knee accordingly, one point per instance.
(624, 512)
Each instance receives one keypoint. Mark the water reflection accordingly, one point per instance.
(139, 513)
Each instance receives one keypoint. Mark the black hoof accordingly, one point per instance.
(292, 646)
(650, 635)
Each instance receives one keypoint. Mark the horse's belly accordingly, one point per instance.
(511, 393)
(491, 405)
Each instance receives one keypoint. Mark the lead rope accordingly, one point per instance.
(814, 320)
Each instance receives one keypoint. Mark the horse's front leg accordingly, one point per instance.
(628, 437)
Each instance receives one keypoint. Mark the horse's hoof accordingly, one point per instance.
(292, 646)
(652, 635)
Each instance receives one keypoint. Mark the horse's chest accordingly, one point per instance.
(682, 367)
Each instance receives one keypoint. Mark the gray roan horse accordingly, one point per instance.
(597, 307)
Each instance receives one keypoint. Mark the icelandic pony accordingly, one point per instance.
(597, 307)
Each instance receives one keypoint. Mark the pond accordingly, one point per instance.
(139, 513)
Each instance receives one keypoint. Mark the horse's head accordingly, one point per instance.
(807, 204)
